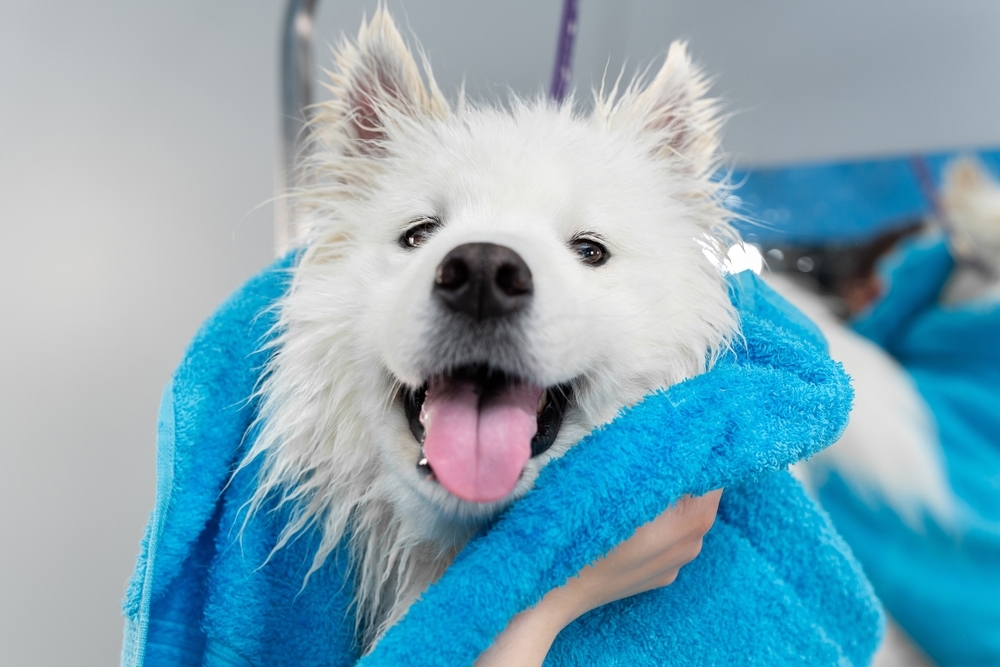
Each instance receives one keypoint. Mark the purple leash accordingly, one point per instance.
(925, 180)
(563, 69)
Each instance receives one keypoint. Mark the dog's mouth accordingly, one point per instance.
(479, 426)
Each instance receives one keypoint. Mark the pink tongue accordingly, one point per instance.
(476, 448)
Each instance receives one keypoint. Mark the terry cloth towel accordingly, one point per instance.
(942, 583)
(774, 585)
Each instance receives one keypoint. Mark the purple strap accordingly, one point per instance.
(925, 180)
(564, 52)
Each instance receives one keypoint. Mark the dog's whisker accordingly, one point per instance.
(391, 396)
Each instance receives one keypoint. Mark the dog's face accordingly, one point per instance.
(484, 287)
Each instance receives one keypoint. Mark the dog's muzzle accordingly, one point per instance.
(478, 417)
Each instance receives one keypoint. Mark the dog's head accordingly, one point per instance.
(970, 197)
(483, 287)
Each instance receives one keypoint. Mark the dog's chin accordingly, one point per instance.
(503, 402)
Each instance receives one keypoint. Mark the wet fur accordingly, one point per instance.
(358, 325)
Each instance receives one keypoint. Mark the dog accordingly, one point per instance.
(890, 450)
(970, 202)
(478, 288)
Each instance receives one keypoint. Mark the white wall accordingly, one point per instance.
(135, 141)
(805, 80)
(818, 80)
(136, 151)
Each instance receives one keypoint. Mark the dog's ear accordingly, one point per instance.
(962, 176)
(376, 84)
(673, 113)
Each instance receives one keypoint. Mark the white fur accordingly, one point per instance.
(358, 324)
(971, 201)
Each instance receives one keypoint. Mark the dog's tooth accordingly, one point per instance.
(424, 466)
(543, 400)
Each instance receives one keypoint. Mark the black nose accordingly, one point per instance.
(483, 280)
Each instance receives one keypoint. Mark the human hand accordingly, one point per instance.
(650, 559)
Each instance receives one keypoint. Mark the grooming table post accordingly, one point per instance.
(296, 96)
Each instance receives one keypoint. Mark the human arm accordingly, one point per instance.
(650, 559)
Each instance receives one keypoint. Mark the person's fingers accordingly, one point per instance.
(708, 507)
(657, 572)
(664, 580)
(690, 518)
(649, 559)
(658, 552)
(698, 513)
(671, 561)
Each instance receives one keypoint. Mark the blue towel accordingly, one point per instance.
(942, 584)
(774, 584)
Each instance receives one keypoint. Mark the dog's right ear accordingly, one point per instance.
(376, 85)
(962, 176)
(673, 113)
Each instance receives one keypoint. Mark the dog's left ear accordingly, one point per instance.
(376, 86)
(673, 113)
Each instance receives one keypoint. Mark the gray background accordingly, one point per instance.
(137, 143)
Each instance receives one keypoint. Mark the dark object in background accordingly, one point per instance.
(845, 271)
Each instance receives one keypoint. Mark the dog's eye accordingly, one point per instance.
(419, 233)
(589, 251)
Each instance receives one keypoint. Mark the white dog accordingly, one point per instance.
(970, 200)
(479, 288)
(890, 450)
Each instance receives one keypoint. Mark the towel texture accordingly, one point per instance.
(774, 585)
(942, 585)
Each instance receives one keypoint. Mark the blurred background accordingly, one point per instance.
(138, 143)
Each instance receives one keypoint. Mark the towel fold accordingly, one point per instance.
(774, 584)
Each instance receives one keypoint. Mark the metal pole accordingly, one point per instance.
(296, 96)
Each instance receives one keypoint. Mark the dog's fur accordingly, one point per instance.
(970, 202)
(359, 326)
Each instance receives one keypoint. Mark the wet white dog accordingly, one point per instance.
(890, 450)
(479, 288)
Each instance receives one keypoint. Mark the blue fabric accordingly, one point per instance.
(943, 586)
(774, 585)
(843, 202)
